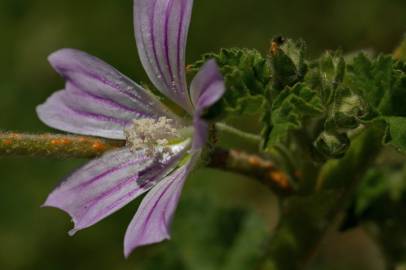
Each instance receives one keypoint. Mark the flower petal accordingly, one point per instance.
(152, 221)
(201, 133)
(105, 185)
(161, 28)
(97, 99)
(206, 89)
(207, 86)
(59, 114)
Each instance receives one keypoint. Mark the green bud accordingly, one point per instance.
(332, 145)
(332, 68)
(287, 62)
(326, 74)
(400, 52)
(341, 122)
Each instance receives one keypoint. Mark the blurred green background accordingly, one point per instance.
(222, 219)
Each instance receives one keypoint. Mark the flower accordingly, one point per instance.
(161, 148)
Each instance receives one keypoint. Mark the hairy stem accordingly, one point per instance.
(54, 145)
(254, 166)
(306, 219)
(73, 146)
(251, 138)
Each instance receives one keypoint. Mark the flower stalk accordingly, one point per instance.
(306, 219)
(248, 137)
(74, 146)
(263, 170)
(54, 145)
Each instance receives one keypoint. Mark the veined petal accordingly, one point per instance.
(201, 132)
(105, 185)
(60, 111)
(207, 86)
(161, 28)
(97, 100)
(151, 223)
(206, 89)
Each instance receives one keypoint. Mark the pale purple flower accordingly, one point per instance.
(161, 147)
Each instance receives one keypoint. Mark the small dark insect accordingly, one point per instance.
(276, 43)
(279, 40)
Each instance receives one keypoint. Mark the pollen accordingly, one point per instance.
(151, 134)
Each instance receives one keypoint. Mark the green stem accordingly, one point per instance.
(249, 137)
(305, 219)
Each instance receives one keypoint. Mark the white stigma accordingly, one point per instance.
(152, 135)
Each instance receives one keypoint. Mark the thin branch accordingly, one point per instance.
(73, 146)
(253, 166)
(239, 133)
(307, 218)
(54, 145)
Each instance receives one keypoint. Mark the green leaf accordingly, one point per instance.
(382, 83)
(396, 132)
(374, 80)
(380, 200)
(249, 245)
(208, 234)
(213, 236)
(377, 185)
(247, 77)
(289, 111)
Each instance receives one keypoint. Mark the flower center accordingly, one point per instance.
(152, 135)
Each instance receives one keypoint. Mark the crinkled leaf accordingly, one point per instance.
(289, 111)
(382, 83)
(372, 79)
(247, 76)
